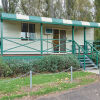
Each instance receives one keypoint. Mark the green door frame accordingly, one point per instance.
(73, 46)
(1, 37)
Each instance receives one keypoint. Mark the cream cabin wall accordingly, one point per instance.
(12, 29)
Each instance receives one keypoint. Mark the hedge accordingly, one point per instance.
(55, 63)
(51, 63)
(94, 58)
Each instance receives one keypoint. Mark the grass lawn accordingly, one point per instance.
(42, 84)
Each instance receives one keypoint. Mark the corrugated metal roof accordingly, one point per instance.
(37, 19)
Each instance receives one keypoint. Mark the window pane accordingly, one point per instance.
(24, 27)
(31, 28)
(32, 36)
(48, 31)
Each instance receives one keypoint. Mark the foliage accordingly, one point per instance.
(97, 18)
(51, 63)
(10, 6)
(54, 63)
(96, 44)
(4, 69)
(1, 9)
(94, 57)
(33, 7)
(68, 9)
(18, 66)
(82, 10)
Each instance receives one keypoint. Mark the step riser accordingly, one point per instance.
(88, 62)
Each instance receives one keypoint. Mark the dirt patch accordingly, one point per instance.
(27, 98)
(1, 95)
(34, 89)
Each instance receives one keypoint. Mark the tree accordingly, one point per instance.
(10, 6)
(5, 5)
(68, 9)
(33, 7)
(79, 10)
(1, 10)
(50, 10)
(97, 18)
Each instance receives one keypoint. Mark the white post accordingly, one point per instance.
(99, 69)
(71, 73)
(30, 79)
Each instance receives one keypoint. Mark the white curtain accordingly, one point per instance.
(23, 35)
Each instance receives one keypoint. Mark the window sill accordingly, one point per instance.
(27, 39)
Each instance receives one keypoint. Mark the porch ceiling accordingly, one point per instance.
(36, 19)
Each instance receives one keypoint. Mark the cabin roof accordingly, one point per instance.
(37, 19)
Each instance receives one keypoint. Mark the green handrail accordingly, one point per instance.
(95, 43)
(80, 49)
(93, 49)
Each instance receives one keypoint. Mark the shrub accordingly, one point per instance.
(18, 66)
(94, 57)
(54, 63)
(4, 69)
(51, 63)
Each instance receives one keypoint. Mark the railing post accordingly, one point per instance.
(85, 39)
(84, 61)
(1, 37)
(73, 44)
(41, 37)
(91, 52)
(97, 59)
(85, 48)
(79, 52)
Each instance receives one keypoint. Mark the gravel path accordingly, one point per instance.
(90, 92)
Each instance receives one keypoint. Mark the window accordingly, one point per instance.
(49, 31)
(28, 31)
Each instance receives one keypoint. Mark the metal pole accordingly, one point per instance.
(41, 39)
(1, 37)
(99, 69)
(30, 79)
(73, 46)
(71, 74)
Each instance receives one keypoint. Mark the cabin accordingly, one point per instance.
(35, 36)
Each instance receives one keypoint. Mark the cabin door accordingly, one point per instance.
(59, 42)
(56, 40)
(62, 41)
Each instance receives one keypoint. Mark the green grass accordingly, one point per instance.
(12, 97)
(12, 87)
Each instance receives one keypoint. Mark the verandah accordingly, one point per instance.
(79, 52)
